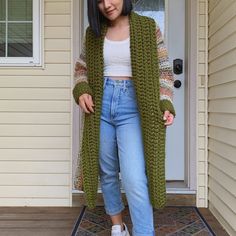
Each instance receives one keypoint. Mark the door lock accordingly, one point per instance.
(178, 66)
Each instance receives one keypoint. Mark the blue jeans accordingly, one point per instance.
(121, 149)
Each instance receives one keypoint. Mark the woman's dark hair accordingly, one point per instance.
(95, 17)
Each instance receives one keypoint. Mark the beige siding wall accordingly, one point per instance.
(222, 112)
(202, 105)
(35, 120)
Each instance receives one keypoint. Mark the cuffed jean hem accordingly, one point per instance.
(143, 234)
(116, 211)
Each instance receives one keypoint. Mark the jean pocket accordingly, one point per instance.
(130, 92)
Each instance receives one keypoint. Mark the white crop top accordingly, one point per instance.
(117, 61)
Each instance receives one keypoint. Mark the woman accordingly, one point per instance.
(124, 85)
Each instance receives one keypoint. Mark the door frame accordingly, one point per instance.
(192, 88)
(191, 65)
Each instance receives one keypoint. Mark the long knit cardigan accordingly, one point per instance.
(145, 45)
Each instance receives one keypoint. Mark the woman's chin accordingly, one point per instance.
(112, 16)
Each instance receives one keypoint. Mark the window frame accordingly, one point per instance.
(36, 60)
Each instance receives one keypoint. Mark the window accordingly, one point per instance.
(20, 33)
(154, 9)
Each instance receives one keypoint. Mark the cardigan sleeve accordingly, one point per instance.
(166, 75)
(81, 84)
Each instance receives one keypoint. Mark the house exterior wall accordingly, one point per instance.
(222, 112)
(35, 120)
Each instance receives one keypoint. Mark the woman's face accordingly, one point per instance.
(111, 9)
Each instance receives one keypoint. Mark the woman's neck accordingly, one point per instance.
(121, 21)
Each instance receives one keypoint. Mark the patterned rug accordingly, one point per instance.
(172, 220)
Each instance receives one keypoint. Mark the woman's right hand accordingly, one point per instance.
(86, 103)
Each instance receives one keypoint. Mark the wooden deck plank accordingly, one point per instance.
(38, 221)
(38, 232)
(59, 221)
(38, 216)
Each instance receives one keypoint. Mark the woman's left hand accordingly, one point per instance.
(169, 117)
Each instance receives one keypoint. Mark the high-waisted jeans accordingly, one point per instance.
(121, 149)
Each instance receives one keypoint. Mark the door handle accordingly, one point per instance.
(177, 83)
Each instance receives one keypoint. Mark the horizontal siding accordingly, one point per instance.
(225, 212)
(34, 191)
(221, 178)
(222, 149)
(34, 94)
(34, 167)
(223, 105)
(30, 130)
(226, 196)
(223, 47)
(49, 69)
(34, 106)
(57, 57)
(30, 201)
(225, 166)
(52, 179)
(31, 155)
(57, 20)
(34, 81)
(56, 7)
(222, 91)
(35, 142)
(222, 17)
(223, 33)
(222, 120)
(222, 112)
(57, 44)
(57, 32)
(222, 62)
(35, 120)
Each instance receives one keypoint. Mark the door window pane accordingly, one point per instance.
(2, 39)
(2, 9)
(19, 40)
(20, 10)
(152, 8)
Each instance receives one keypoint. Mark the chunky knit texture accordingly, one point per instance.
(145, 73)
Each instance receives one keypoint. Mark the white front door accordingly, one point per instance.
(170, 15)
(175, 148)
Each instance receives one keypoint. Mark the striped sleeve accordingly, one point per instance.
(81, 84)
(166, 75)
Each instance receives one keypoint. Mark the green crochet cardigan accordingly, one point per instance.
(145, 74)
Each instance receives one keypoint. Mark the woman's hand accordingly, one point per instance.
(169, 117)
(86, 103)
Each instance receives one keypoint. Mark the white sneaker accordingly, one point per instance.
(116, 230)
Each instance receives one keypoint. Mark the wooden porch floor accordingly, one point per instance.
(59, 221)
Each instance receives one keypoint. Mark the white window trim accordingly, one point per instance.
(36, 60)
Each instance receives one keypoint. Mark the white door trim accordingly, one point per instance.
(191, 115)
(76, 34)
(191, 101)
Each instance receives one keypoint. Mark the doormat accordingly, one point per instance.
(170, 221)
